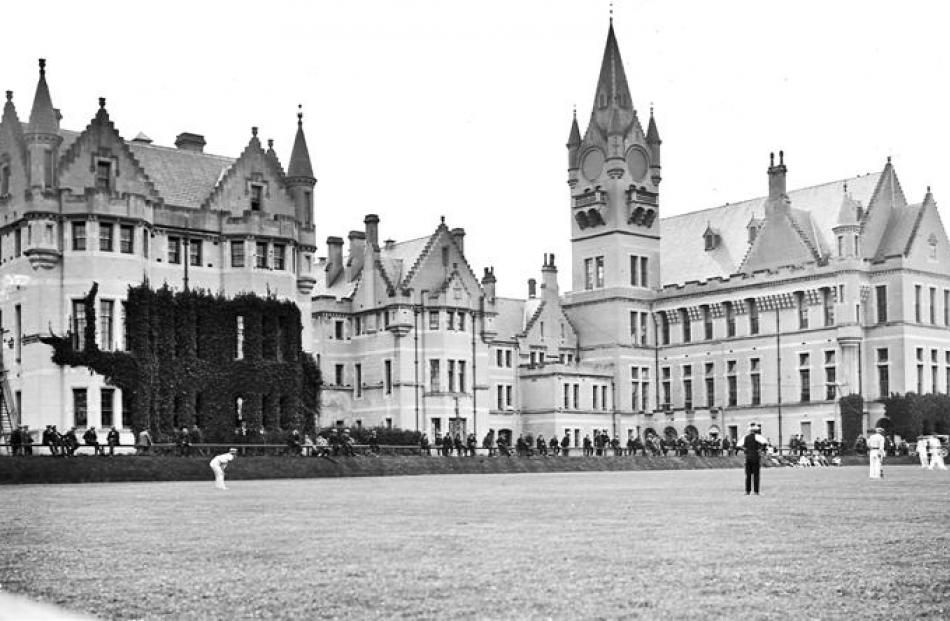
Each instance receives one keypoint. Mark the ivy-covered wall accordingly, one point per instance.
(182, 366)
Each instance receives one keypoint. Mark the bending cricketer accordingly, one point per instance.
(218, 464)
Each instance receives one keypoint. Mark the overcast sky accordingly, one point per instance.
(424, 108)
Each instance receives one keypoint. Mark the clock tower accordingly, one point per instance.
(614, 178)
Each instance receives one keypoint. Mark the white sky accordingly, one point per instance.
(423, 108)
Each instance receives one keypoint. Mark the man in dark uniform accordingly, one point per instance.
(566, 444)
(112, 440)
(752, 444)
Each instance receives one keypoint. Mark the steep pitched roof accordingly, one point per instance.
(681, 251)
(612, 90)
(11, 122)
(779, 242)
(43, 116)
(509, 322)
(184, 178)
(300, 156)
(900, 229)
(253, 148)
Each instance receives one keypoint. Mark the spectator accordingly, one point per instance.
(615, 445)
(294, 443)
(472, 442)
(70, 442)
(46, 440)
(588, 446)
(489, 442)
(26, 441)
(323, 447)
(112, 439)
(308, 445)
(143, 444)
(424, 445)
(197, 439)
(15, 440)
(555, 447)
(521, 446)
(566, 444)
(541, 445)
(183, 441)
(91, 438)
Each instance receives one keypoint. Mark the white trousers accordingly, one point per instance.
(936, 460)
(877, 461)
(922, 453)
(218, 476)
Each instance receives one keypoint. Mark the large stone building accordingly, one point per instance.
(89, 205)
(767, 309)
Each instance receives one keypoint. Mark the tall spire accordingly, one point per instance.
(300, 156)
(43, 118)
(653, 135)
(612, 92)
(574, 138)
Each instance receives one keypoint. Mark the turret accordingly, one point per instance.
(488, 284)
(42, 136)
(653, 143)
(573, 150)
(300, 179)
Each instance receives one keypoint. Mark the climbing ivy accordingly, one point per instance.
(182, 365)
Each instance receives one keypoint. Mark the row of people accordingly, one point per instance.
(61, 444)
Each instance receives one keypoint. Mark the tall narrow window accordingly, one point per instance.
(280, 250)
(688, 386)
(665, 386)
(240, 337)
(707, 323)
(462, 383)
(577, 396)
(828, 306)
(753, 316)
(433, 320)
(917, 294)
(79, 325)
(106, 407)
(257, 197)
(338, 374)
(730, 319)
(880, 292)
(801, 305)
(103, 175)
(358, 380)
(644, 273)
(237, 254)
(451, 371)
(125, 239)
(174, 250)
(388, 376)
(126, 340)
(567, 396)
(946, 310)
(664, 328)
(194, 252)
(883, 373)
(435, 376)
(106, 309)
(687, 325)
(599, 263)
(634, 270)
(18, 241)
(755, 381)
(588, 274)
(732, 383)
(80, 408)
(260, 256)
(146, 242)
(49, 168)
(105, 237)
(710, 384)
(933, 305)
(5, 180)
(831, 376)
(18, 330)
(804, 377)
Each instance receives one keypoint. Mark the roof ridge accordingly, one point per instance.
(801, 234)
(181, 151)
(755, 198)
(534, 317)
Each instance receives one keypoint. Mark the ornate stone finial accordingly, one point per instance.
(845, 187)
(102, 102)
(270, 143)
(771, 159)
(442, 218)
(611, 12)
(299, 115)
(254, 131)
(9, 95)
(928, 189)
(42, 66)
(888, 159)
(651, 109)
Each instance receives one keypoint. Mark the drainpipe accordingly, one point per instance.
(474, 372)
(421, 326)
(778, 359)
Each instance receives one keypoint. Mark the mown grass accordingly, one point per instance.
(819, 543)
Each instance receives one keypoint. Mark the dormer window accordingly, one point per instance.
(753, 228)
(257, 197)
(103, 175)
(710, 240)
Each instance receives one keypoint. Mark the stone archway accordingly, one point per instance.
(691, 432)
(648, 432)
(670, 433)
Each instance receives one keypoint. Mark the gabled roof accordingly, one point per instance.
(183, 178)
(509, 322)
(900, 229)
(814, 210)
(253, 148)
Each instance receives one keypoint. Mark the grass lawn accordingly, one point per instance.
(819, 543)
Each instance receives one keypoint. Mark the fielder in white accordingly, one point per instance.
(218, 464)
(876, 453)
(936, 453)
(922, 442)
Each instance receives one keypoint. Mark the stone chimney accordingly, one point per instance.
(549, 277)
(488, 284)
(777, 175)
(532, 288)
(372, 231)
(389, 244)
(356, 251)
(334, 259)
(187, 141)
(458, 235)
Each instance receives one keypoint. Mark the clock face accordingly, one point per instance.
(593, 164)
(637, 163)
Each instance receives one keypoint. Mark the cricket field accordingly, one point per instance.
(822, 543)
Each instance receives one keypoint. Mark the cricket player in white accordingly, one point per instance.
(936, 453)
(218, 464)
(922, 442)
(876, 453)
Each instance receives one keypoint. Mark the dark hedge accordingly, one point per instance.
(181, 367)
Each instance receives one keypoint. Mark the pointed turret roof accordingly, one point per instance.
(653, 135)
(612, 92)
(11, 122)
(300, 156)
(43, 116)
(849, 212)
(574, 138)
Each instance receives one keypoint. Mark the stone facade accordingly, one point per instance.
(87, 206)
(765, 310)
